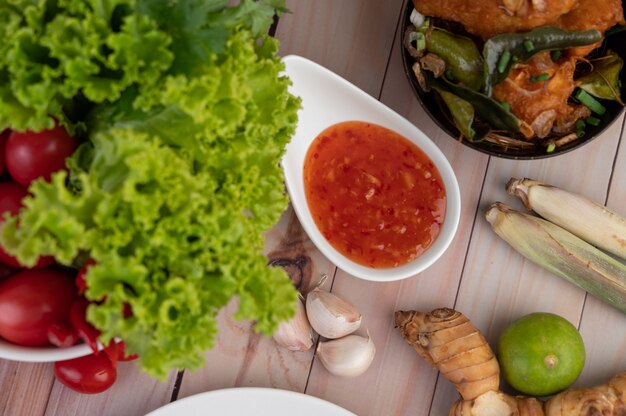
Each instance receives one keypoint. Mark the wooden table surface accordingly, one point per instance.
(478, 275)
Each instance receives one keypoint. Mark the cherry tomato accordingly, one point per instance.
(3, 139)
(86, 331)
(62, 334)
(90, 374)
(32, 155)
(11, 195)
(32, 300)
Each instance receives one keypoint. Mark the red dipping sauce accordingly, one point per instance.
(374, 195)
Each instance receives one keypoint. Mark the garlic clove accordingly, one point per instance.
(295, 334)
(349, 356)
(330, 316)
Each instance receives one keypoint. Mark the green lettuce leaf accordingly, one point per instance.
(178, 179)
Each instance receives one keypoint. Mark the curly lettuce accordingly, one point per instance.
(185, 116)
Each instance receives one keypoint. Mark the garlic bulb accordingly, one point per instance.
(348, 356)
(330, 316)
(295, 334)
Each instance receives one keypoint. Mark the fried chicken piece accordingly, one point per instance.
(486, 18)
(592, 14)
(539, 103)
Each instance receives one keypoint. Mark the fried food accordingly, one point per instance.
(592, 14)
(486, 18)
(539, 103)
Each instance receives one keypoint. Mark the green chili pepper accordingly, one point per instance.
(462, 114)
(488, 109)
(603, 81)
(460, 54)
(545, 38)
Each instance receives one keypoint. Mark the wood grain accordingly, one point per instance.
(25, 387)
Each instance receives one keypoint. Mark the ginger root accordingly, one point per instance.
(450, 342)
(496, 403)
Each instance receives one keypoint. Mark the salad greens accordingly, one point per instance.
(184, 116)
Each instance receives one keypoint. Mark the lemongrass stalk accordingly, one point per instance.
(579, 215)
(561, 253)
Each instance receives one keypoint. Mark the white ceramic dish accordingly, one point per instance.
(328, 99)
(14, 352)
(251, 401)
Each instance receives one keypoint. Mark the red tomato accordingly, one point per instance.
(38, 155)
(91, 374)
(32, 300)
(11, 195)
(3, 139)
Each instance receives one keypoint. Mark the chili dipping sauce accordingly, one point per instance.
(374, 195)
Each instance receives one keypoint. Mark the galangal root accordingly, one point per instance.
(453, 345)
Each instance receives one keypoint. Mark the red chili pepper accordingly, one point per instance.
(81, 282)
(62, 334)
(78, 317)
(117, 352)
(127, 310)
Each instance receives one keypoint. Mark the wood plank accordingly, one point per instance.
(350, 37)
(498, 285)
(243, 358)
(602, 327)
(134, 393)
(25, 387)
(399, 381)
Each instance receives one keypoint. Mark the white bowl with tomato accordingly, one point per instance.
(374, 193)
(42, 308)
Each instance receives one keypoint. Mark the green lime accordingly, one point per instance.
(541, 354)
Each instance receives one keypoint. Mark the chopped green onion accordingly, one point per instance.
(528, 45)
(420, 41)
(593, 121)
(504, 61)
(541, 77)
(580, 133)
(506, 105)
(556, 55)
(472, 133)
(580, 125)
(551, 147)
(515, 59)
(587, 100)
(450, 75)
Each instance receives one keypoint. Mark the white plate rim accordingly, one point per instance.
(274, 396)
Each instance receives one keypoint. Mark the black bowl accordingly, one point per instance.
(428, 100)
